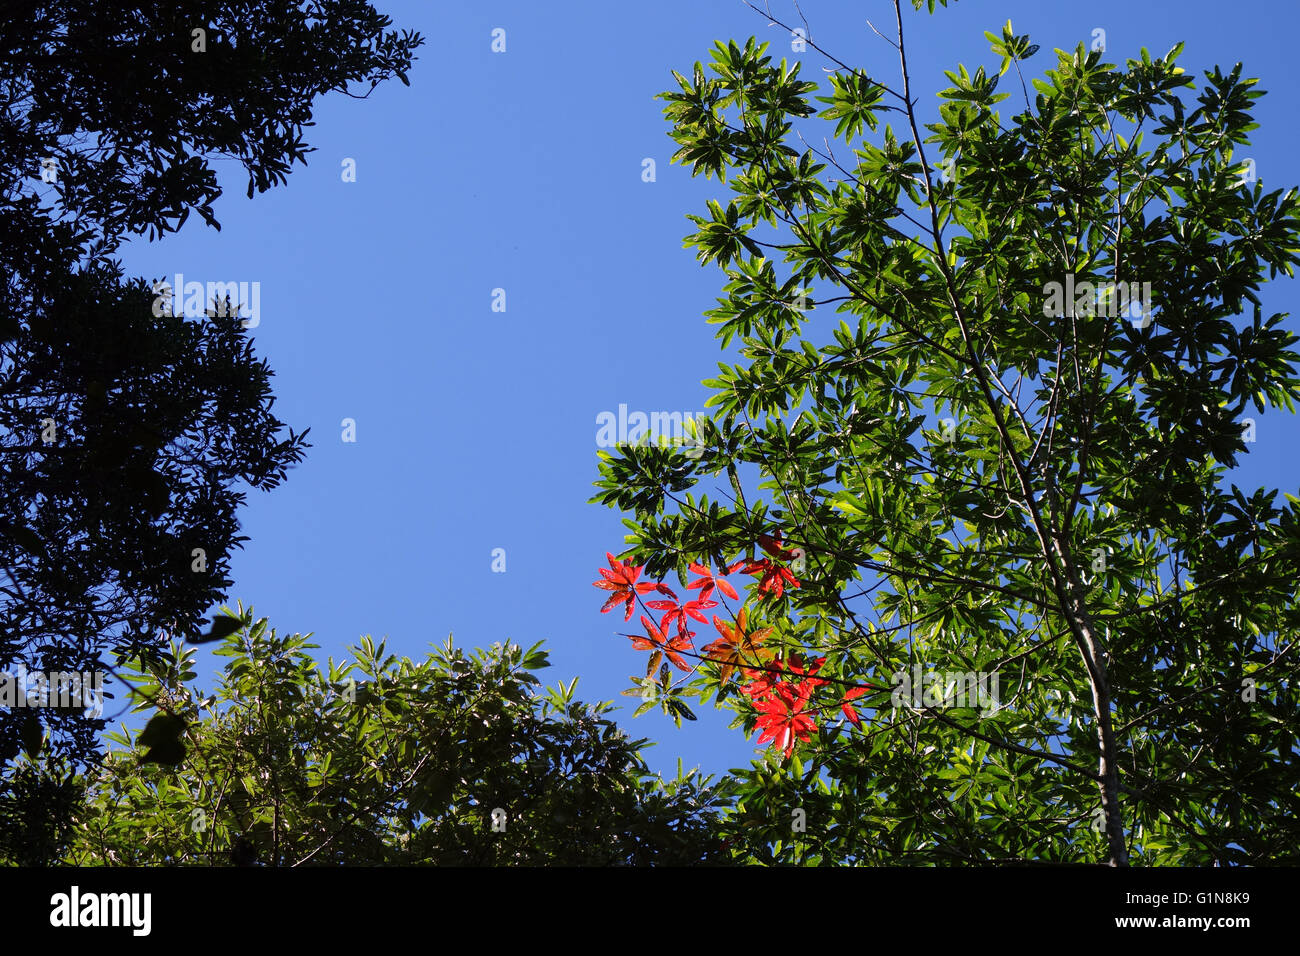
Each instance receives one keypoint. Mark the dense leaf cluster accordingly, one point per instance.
(382, 761)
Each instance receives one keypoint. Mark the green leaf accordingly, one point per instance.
(222, 627)
(162, 739)
(680, 709)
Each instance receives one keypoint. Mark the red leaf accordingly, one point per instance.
(709, 580)
(621, 578)
(848, 708)
(782, 720)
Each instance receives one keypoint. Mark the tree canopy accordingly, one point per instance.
(987, 388)
(461, 759)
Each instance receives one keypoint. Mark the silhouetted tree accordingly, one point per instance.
(125, 434)
(132, 109)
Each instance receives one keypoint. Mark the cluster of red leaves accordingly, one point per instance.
(773, 578)
(781, 691)
(782, 704)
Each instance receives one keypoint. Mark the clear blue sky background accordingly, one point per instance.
(522, 170)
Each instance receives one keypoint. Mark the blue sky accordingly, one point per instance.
(522, 171)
